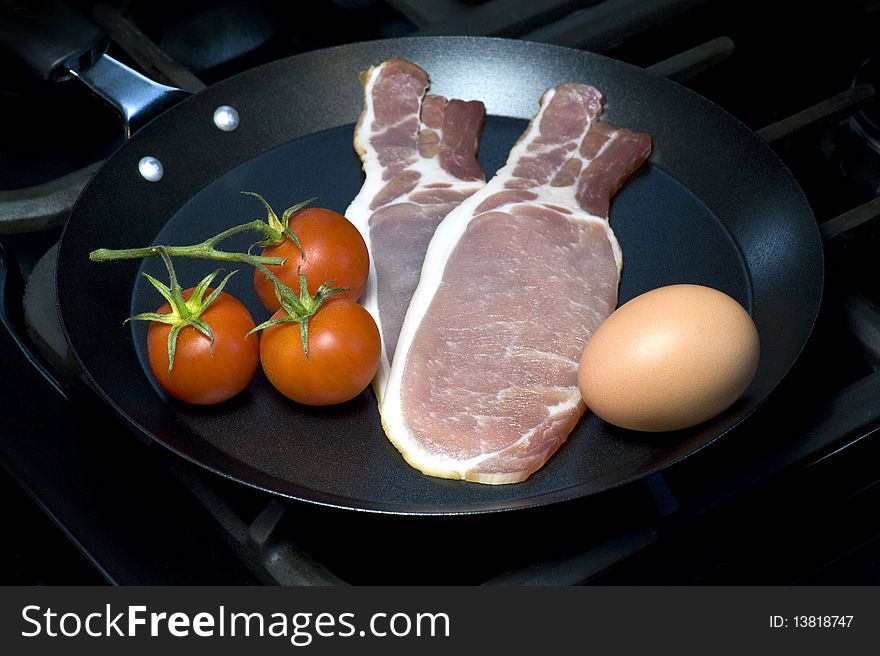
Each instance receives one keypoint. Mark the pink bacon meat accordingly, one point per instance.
(483, 385)
(419, 156)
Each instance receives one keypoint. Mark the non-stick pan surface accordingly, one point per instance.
(714, 206)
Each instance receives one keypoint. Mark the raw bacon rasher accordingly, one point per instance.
(483, 384)
(419, 157)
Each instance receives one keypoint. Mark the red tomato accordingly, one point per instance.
(333, 249)
(199, 375)
(344, 351)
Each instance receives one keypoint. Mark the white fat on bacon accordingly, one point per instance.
(419, 158)
(483, 384)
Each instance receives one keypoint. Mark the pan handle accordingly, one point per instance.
(137, 98)
(52, 42)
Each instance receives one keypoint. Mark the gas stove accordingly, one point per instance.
(788, 497)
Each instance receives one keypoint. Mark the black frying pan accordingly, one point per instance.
(714, 206)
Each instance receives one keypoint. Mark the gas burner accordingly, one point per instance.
(857, 147)
(867, 121)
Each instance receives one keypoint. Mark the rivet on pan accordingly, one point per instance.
(226, 118)
(151, 169)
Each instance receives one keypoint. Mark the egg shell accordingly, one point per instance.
(669, 359)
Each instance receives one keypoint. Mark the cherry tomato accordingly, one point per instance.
(344, 350)
(333, 249)
(203, 374)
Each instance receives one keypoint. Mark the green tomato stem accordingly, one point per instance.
(204, 250)
(172, 274)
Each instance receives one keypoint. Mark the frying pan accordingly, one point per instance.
(714, 206)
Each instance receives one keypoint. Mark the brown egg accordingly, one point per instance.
(670, 358)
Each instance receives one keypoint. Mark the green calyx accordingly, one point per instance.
(280, 226)
(184, 311)
(298, 309)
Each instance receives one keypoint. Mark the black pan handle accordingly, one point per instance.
(53, 42)
(48, 38)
